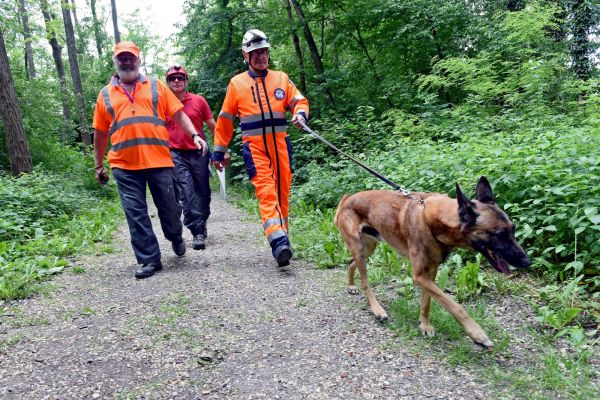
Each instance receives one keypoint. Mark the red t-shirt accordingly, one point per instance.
(196, 107)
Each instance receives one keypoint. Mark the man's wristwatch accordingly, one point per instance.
(194, 135)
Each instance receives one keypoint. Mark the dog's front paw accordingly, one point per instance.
(479, 337)
(352, 290)
(426, 329)
(381, 318)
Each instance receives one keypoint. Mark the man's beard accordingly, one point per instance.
(128, 75)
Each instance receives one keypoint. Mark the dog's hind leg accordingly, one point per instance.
(424, 324)
(360, 254)
(369, 245)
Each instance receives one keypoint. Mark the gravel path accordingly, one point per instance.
(223, 323)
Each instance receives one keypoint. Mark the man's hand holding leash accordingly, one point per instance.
(299, 121)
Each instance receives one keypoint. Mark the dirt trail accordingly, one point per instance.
(223, 323)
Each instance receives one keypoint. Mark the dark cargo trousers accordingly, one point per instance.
(191, 175)
(132, 190)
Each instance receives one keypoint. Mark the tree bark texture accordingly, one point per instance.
(113, 6)
(582, 20)
(312, 46)
(58, 62)
(27, 38)
(96, 25)
(75, 74)
(296, 41)
(16, 142)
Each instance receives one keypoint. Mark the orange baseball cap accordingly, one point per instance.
(126, 47)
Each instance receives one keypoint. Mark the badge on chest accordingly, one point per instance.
(279, 94)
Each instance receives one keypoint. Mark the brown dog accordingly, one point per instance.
(425, 227)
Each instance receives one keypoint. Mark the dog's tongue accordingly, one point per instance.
(500, 264)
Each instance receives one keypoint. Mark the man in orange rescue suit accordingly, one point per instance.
(260, 98)
(132, 109)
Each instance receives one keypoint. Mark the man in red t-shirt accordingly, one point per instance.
(191, 167)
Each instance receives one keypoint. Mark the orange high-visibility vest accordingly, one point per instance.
(137, 129)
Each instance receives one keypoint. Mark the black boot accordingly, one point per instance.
(199, 242)
(147, 270)
(178, 246)
(283, 254)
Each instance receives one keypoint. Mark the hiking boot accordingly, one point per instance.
(283, 254)
(178, 246)
(148, 269)
(199, 242)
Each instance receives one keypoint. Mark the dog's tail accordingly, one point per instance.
(339, 209)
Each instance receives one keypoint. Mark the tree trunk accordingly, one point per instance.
(27, 37)
(582, 20)
(312, 46)
(58, 62)
(80, 43)
(515, 5)
(229, 37)
(16, 142)
(296, 41)
(113, 5)
(363, 46)
(75, 75)
(96, 24)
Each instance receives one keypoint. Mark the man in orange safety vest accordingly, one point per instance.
(260, 98)
(132, 110)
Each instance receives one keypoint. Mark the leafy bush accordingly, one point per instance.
(45, 217)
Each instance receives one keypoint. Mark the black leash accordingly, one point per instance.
(371, 170)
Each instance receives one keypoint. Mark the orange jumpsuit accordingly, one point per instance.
(261, 102)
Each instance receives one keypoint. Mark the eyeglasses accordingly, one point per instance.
(177, 78)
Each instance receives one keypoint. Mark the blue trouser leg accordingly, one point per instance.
(132, 190)
(192, 176)
(162, 188)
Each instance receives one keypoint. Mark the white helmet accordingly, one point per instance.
(254, 40)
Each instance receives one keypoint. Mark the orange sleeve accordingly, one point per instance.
(101, 121)
(224, 129)
(296, 101)
(170, 102)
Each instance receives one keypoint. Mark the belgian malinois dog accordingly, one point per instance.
(425, 227)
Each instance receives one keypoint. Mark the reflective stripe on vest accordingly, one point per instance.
(116, 125)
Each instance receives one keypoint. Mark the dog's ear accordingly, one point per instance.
(466, 210)
(484, 191)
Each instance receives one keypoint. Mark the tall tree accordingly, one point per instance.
(358, 36)
(582, 20)
(27, 38)
(113, 5)
(314, 52)
(96, 25)
(58, 61)
(296, 40)
(80, 42)
(75, 75)
(16, 142)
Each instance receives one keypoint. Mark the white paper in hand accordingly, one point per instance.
(221, 175)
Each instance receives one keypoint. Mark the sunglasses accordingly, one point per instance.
(176, 78)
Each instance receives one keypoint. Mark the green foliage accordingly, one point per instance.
(45, 217)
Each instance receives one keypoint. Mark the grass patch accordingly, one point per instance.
(44, 223)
